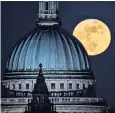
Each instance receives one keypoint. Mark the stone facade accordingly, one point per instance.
(64, 104)
(66, 68)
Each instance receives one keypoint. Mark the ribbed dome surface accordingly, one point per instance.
(54, 48)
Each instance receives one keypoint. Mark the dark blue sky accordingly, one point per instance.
(18, 18)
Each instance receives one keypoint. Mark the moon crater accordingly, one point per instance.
(94, 35)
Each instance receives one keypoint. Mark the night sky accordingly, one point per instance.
(18, 18)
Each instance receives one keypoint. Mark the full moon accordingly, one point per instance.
(94, 35)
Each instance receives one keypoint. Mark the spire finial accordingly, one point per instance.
(40, 65)
(40, 70)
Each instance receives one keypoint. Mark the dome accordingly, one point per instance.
(49, 65)
(53, 47)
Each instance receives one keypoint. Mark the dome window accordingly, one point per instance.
(27, 86)
(77, 86)
(70, 85)
(13, 86)
(19, 86)
(83, 86)
(52, 85)
(61, 85)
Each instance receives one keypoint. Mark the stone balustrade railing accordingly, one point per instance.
(57, 100)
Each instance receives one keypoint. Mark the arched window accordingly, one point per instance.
(13, 85)
(70, 85)
(77, 86)
(52, 85)
(27, 86)
(83, 86)
(61, 85)
(19, 86)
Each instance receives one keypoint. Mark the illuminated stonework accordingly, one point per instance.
(66, 68)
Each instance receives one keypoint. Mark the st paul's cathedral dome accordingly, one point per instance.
(65, 65)
(54, 47)
(51, 45)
